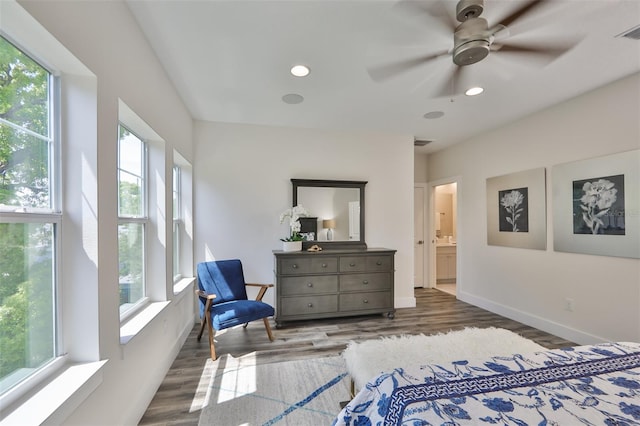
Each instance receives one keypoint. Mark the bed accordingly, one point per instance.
(594, 384)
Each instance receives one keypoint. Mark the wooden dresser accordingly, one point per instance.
(333, 283)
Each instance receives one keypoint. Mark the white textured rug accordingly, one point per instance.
(368, 359)
(296, 393)
(309, 392)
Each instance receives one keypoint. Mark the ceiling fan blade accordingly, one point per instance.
(543, 52)
(383, 72)
(439, 11)
(435, 9)
(452, 85)
(517, 14)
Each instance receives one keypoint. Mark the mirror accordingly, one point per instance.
(336, 208)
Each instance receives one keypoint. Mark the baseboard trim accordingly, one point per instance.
(568, 333)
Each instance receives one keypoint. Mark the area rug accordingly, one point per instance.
(296, 393)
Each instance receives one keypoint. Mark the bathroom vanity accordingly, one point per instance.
(446, 262)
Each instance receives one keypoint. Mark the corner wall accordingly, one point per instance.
(104, 36)
(531, 285)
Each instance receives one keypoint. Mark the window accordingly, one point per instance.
(177, 223)
(30, 216)
(182, 223)
(132, 218)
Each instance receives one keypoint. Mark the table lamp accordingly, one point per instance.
(329, 225)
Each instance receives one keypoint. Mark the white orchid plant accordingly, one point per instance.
(293, 214)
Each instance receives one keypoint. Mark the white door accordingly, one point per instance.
(418, 234)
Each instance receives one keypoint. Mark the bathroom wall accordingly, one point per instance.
(445, 198)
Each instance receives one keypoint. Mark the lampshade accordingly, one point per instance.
(329, 223)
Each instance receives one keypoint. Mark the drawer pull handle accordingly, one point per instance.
(294, 266)
(365, 282)
(309, 284)
(310, 305)
(365, 301)
(324, 265)
(352, 264)
(378, 263)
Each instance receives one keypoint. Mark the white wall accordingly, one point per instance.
(243, 182)
(531, 285)
(106, 39)
(420, 174)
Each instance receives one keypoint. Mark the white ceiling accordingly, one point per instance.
(230, 62)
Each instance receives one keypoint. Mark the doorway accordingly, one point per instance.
(443, 209)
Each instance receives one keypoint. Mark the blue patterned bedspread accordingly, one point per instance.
(591, 385)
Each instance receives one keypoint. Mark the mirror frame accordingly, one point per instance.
(315, 183)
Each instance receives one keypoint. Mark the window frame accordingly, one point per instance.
(53, 215)
(177, 222)
(142, 219)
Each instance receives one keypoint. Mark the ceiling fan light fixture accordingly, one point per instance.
(300, 70)
(473, 91)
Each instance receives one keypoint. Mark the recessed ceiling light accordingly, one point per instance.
(474, 91)
(300, 70)
(433, 115)
(292, 98)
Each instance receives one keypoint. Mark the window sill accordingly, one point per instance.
(182, 284)
(138, 322)
(134, 325)
(56, 400)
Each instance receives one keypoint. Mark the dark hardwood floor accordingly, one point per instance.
(177, 401)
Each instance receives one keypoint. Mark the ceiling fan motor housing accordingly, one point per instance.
(471, 42)
(466, 9)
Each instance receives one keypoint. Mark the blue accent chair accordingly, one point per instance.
(223, 299)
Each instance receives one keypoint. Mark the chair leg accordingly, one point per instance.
(202, 324)
(212, 333)
(268, 327)
(206, 320)
(212, 348)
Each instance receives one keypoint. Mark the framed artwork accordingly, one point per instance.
(596, 208)
(516, 210)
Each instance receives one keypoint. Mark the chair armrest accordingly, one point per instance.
(207, 296)
(263, 289)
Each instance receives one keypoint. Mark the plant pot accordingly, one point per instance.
(291, 245)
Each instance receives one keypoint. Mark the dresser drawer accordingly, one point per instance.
(366, 301)
(365, 282)
(311, 284)
(378, 263)
(353, 263)
(323, 265)
(308, 265)
(307, 305)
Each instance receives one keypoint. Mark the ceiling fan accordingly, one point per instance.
(473, 40)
